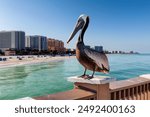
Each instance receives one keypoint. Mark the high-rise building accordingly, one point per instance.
(36, 42)
(87, 46)
(55, 45)
(12, 40)
(99, 48)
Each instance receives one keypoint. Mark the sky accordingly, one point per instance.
(114, 24)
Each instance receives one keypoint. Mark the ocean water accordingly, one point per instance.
(47, 78)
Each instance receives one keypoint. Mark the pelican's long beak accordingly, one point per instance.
(76, 29)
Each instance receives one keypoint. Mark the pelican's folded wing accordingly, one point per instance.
(99, 58)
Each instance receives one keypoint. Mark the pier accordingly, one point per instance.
(131, 89)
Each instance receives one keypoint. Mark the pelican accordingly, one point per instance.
(90, 59)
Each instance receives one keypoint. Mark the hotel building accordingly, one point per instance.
(36, 42)
(55, 45)
(99, 48)
(87, 46)
(12, 40)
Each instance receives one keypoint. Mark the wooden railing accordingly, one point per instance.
(132, 89)
(75, 94)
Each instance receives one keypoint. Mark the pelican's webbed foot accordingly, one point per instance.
(82, 76)
(88, 77)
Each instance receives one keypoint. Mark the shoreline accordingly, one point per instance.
(31, 61)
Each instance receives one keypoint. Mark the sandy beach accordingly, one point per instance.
(26, 60)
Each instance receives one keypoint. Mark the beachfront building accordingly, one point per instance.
(12, 40)
(99, 48)
(87, 46)
(55, 45)
(36, 42)
(10, 53)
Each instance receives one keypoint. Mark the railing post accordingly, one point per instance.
(103, 92)
(99, 85)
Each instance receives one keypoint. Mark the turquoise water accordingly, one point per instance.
(47, 78)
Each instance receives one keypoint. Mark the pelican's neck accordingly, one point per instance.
(81, 36)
